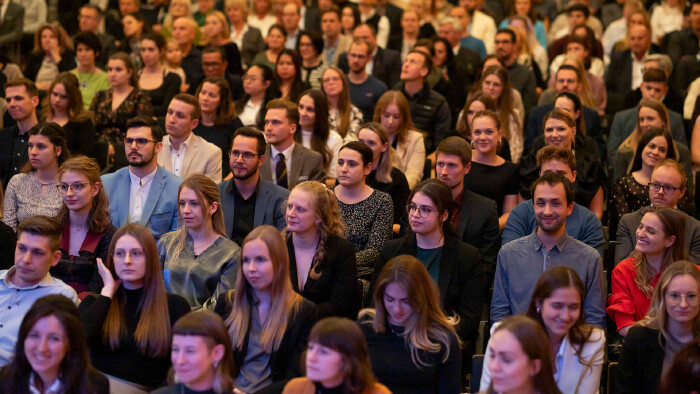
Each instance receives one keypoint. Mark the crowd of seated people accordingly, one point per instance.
(296, 196)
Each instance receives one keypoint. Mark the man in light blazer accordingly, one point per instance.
(143, 192)
(334, 43)
(246, 200)
(298, 164)
(181, 146)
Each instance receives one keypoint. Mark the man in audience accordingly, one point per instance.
(89, 21)
(247, 200)
(37, 250)
(521, 78)
(686, 41)
(474, 217)
(656, 72)
(482, 26)
(183, 152)
(214, 64)
(143, 192)
(11, 25)
(468, 60)
(522, 261)
(617, 30)
(410, 27)
(309, 17)
(334, 43)
(429, 109)
(22, 99)
(286, 162)
(379, 23)
(113, 18)
(290, 22)
(465, 39)
(383, 64)
(581, 224)
(578, 13)
(670, 182)
(365, 89)
(184, 34)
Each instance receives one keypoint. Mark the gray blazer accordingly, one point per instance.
(307, 165)
(268, 205)
(627, 236)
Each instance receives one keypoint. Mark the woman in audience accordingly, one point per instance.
(337, 360)
(412, 344)
(556, 305)
(384, 176)
(52, 325)
(261, 16)
(268, 322)
(251, 108)
(682, 376)
(34, 190)
(665, 18)
(490, 175)
(87, 225)
(478, 101)
(521, 358)
(343, 117)
(349, 18)
(310, 46)
(366, 212)
(199, 262)
(201, 356)
(427, 12)
(288, 75)
(276, 38)
(135, 26)
(180, 9)
(64, 106)
(173, 62)
(322, 262)
(218, 119)
(593, 93)
(445, 61)
(217, 34)
(524, 9)
(154, 81)
(672, 321)
(580, 46)
(247, 38)
(91, 78)
(394, 113)
(123, 101)
(52, 54)
(660, 242)
(533, 57)
(584, 145)
(315, 133)
(128, 324)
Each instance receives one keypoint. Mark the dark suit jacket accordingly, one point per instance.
(387, 65)
(393, 14)
(12, 24)
(268, 205)
(7, 138)
(618, 77)
(312, 19)
(679, 43)
(535, 126)
(35, 59)
(307, 165)
(478, 226)
(673, 101)
(627, 236)
(641, 362)
(252, 44)
(335, 292)
(470, 62)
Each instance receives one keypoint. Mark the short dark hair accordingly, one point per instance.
(570, 68)
(214, 49)
(191, 100)
(252, 132)
(332, 9)
(583, 41)
(553, 179)
(145, 121)
(157, 38)
(359, 41)
(316, 40)
(508, 31)
(426, 43)
(371, 28)
(361, 148)
(456, 146)
(549, 153)
(579, 7)
(655, 75)
(43, 226)
(27, 83)
(427, 61)
(90, 40)
(97, 9)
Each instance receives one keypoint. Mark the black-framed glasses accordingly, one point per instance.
(666, 188)
(77, 187)
(140, 142)
(247, 156)
(423, 211)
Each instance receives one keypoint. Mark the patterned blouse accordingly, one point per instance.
(111, 125)
(23, 199)
(355, 123)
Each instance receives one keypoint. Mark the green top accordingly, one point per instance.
(431, 259)
(90, 84)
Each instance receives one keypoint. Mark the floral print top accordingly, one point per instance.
(111, 125)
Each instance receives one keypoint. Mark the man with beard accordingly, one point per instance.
(247, 200)
(143, 192)
(522, 78)
(22, 98)
(365, 89)
(522, 261)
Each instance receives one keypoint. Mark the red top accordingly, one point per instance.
(627, 304)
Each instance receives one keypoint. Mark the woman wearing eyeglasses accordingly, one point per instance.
(451, 263)
(87, 226)
(660, 242)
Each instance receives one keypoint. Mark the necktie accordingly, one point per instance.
(281, 171)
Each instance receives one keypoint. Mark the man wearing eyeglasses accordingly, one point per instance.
(214, 64)
(247, 200)
(143, 192)
(666, 187)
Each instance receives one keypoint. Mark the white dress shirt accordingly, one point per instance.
(177, 155)
(138, 194)
(250, 113)
(287, 161)
(637, 66)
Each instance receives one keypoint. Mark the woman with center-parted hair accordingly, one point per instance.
(268, 322)
(154, 80)
(289, 84)
(343, 117)
(128, 325)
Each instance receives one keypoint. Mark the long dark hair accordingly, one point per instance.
(225, 111)
(321, 131)
(56, 136)
(76, 110)
(270, 92)
(578, 107)
(644, 141)
(297, 85)
(75, 367)
(440, 194)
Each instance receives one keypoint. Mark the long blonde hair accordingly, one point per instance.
(399, 100)
(383, 171)
(631, 142)
(285, 300)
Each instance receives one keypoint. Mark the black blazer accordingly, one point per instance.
(394, 14)
(35, 59)
(11, 25)
(387, 65)
(312, 19)
(641, 362)
(7, 139)
(618, 78)
(252, 44)
(478, 227)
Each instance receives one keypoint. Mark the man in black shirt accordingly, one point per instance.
(521, 78)
(184, 33)
(22, 99)
(247, 200)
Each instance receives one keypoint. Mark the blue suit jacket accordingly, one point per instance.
(159, 211)
(268, 205)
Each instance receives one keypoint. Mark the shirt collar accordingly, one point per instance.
(287, 152)
(233, 189)
(537, 244)
(183, 145)
(56, 387)
(144, 180)
(6, 275)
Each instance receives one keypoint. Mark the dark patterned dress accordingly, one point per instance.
(111, 125)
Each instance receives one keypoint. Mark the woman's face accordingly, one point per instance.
(213, 27)
(235, 14)
(351, 170)
(48, 40)
(118, 74)
(149, 52)
(46, 346)
(492, 86)
(85, 55)
(178, 9)
(42, 153)
(474, 107)
(649, 118)
(682, 299)
(397, 304)
(209, 97)
(307, 112)
(301, 212)
(193, 213)
(423, 215)
(257, 265)
(560, 311)
(522, 7)
(324, 365)
(391, 119)
(485, 135)
(253, 81)
(77, 191)
(193, 361)
(440, 54)
(59, 99)
(173, 53)
(285, 68)
(558, 133)
(347, 19)
(637, 19)
(306, 48)
(332, 85)
(511, 369)
(275, 40)
(651, 235)
(130, 261)
(655, 151)
(132, 27)
(372, 139)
